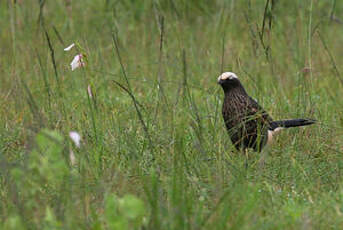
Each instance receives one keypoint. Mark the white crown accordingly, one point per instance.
(227, 75)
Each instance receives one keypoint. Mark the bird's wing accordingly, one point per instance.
(258, 111)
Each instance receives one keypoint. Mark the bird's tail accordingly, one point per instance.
(290, 123)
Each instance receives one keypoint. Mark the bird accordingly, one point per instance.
(247, 123)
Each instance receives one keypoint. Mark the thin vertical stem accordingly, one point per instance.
(45, 79)
(13, 30)
(129, 91)
(223, 54)
(310, 47)
(52, 54)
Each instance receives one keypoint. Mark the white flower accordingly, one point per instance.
(69, 47)
(75, 137)
(77, 62)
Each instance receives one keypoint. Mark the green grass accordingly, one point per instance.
(161, 158)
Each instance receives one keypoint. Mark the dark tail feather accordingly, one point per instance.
(291, 123)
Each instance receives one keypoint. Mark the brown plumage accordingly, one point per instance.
(248, 124)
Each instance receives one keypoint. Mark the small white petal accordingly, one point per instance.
(75, 137)
(77, 62)
(69, 47)
(89, 89)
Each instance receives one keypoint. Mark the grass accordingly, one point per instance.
(154, 151)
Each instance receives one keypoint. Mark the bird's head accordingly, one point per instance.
(228, 80)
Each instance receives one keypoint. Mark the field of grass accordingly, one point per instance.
(154, 151)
